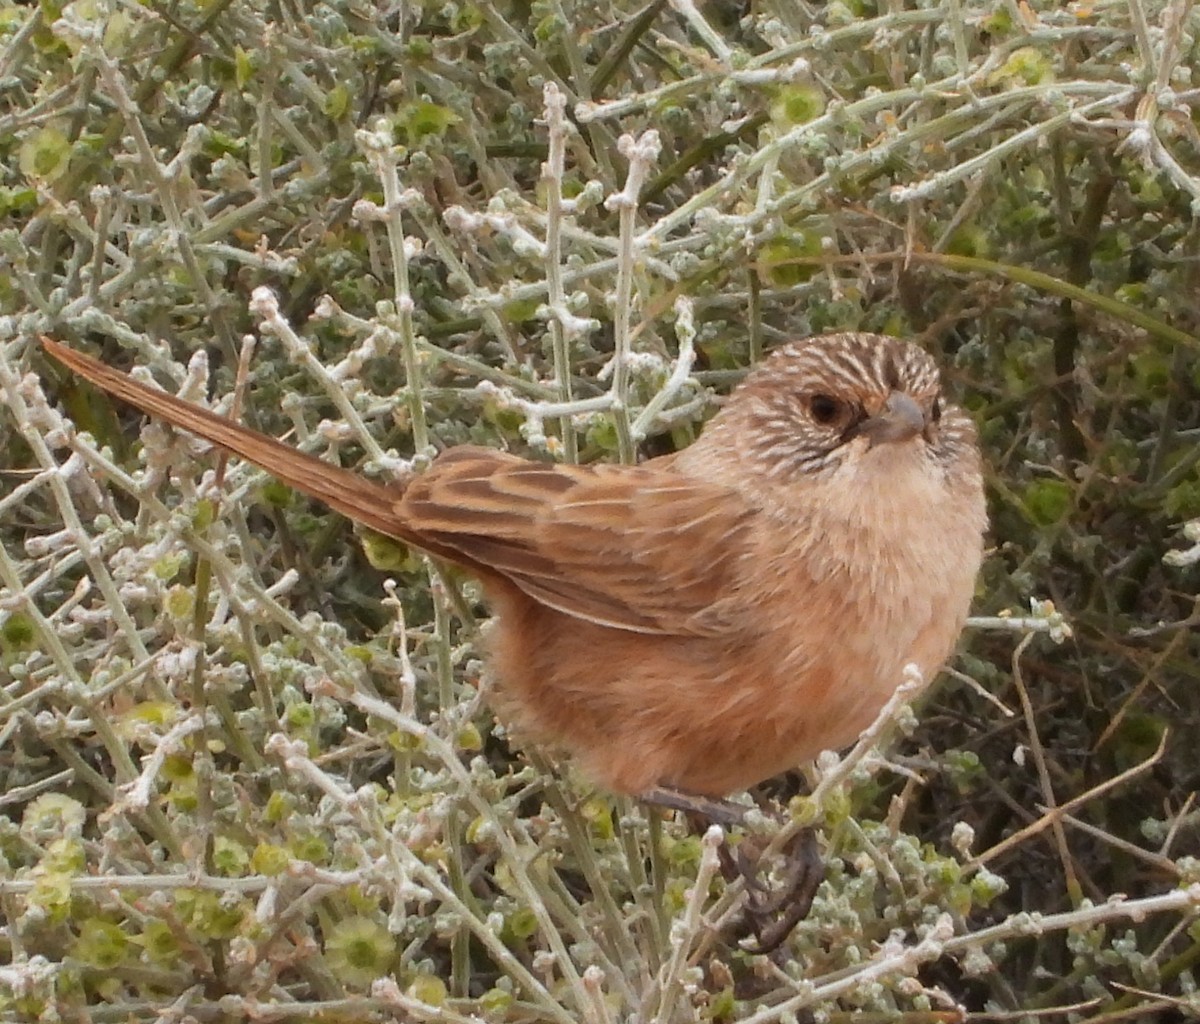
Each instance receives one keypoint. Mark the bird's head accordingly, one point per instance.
(841, 404)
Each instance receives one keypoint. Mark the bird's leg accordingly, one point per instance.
(771, 918)
(717, 812)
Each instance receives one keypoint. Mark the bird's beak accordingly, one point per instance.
(898, 420)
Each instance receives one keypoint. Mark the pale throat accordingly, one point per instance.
(906, 547)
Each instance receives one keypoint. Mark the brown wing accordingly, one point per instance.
(638, 548)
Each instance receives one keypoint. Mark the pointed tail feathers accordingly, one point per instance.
(362, 500)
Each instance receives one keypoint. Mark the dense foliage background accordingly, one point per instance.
(208, 812)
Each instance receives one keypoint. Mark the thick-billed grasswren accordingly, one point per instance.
(707, 619)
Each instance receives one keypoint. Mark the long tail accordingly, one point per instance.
(372, 504)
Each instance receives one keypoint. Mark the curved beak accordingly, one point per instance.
(898, 420)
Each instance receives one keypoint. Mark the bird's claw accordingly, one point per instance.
(772, 916)
(769, 917)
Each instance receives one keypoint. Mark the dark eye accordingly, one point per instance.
(935, 411)
(826, 410)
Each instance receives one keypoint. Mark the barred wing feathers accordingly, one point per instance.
(634, 548)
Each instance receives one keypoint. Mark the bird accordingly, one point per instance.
(705, 620)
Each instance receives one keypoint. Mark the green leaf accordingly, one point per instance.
(360, 950)
(797, 104)
(790, 259)
(45, 154)
(18, 631)
(337, 102)
(423, 119)
(101, 945)
(1047, 501)
(244, 65)
(1025, 66)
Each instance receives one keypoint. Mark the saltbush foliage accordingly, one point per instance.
(246, 769)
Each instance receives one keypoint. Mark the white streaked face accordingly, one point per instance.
(830, 402)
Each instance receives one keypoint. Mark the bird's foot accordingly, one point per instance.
(769, 916)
